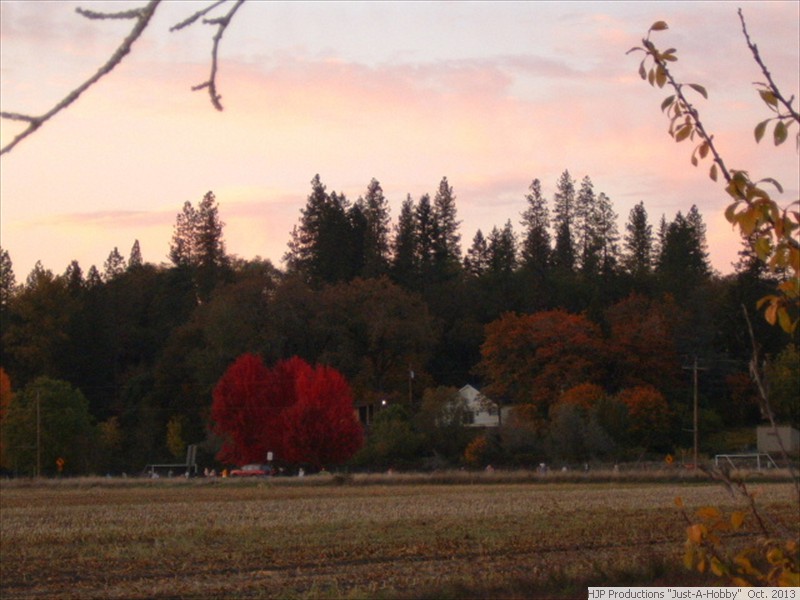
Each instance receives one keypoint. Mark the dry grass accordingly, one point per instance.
(398, 536)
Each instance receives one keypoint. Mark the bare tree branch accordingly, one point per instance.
(197, 15)
(142, 17)
(772, 87)
(222, 24)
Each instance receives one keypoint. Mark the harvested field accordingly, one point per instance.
(287, 538)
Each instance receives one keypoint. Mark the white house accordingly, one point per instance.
(480, 410)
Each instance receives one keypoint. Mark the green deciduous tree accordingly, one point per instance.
(47, 420)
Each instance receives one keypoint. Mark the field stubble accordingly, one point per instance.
(279, 539)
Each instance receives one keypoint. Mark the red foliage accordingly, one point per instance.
(300, 413)
(321, 427)
(642, 341)
(240, 411)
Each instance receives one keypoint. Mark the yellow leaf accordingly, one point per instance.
(683, 132)
(784, 320)
(688, 558)
(701, 565)
(747, 221)
(763, 247)
(678, 501)
(771, 313)
(695, 533)
(661, 76)
(744, 563)
(789, 579)
(704, 150)
(717, 567)
(737, 519)
(768, 97)
(709, 512)
(774, 556)
(762, 301)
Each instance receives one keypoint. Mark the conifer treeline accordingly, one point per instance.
(373, 297)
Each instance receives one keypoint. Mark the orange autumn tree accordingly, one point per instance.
(531, 358)
(648, 415)
(585, 395)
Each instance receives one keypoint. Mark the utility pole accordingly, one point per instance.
(695, 430)
(410, 386)
(38, 436)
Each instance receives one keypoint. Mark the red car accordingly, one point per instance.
(254, 470)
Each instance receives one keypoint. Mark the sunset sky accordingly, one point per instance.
(489, 94)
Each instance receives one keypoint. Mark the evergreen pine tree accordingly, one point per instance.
(503, 251)
(564, 209)
(446, 242)
(638, 243)
(322, 246)
(584, 228)
(476, 262)
(404, 245)
(114, 265)
(606, 234)
(426, 235)
(536, 222)
(375, 208)
(135, 258)
(93, 278)
(8, 281)
(210, 259)
(182, 251)
(74, 278)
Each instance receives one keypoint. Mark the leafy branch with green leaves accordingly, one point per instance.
(771, 230)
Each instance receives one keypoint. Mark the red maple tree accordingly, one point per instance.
(240, 411)
(321, 427)
(300, 413)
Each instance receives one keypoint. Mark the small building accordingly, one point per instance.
(767, 439)
(480, 410)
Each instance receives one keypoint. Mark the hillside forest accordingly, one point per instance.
(591, 328)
